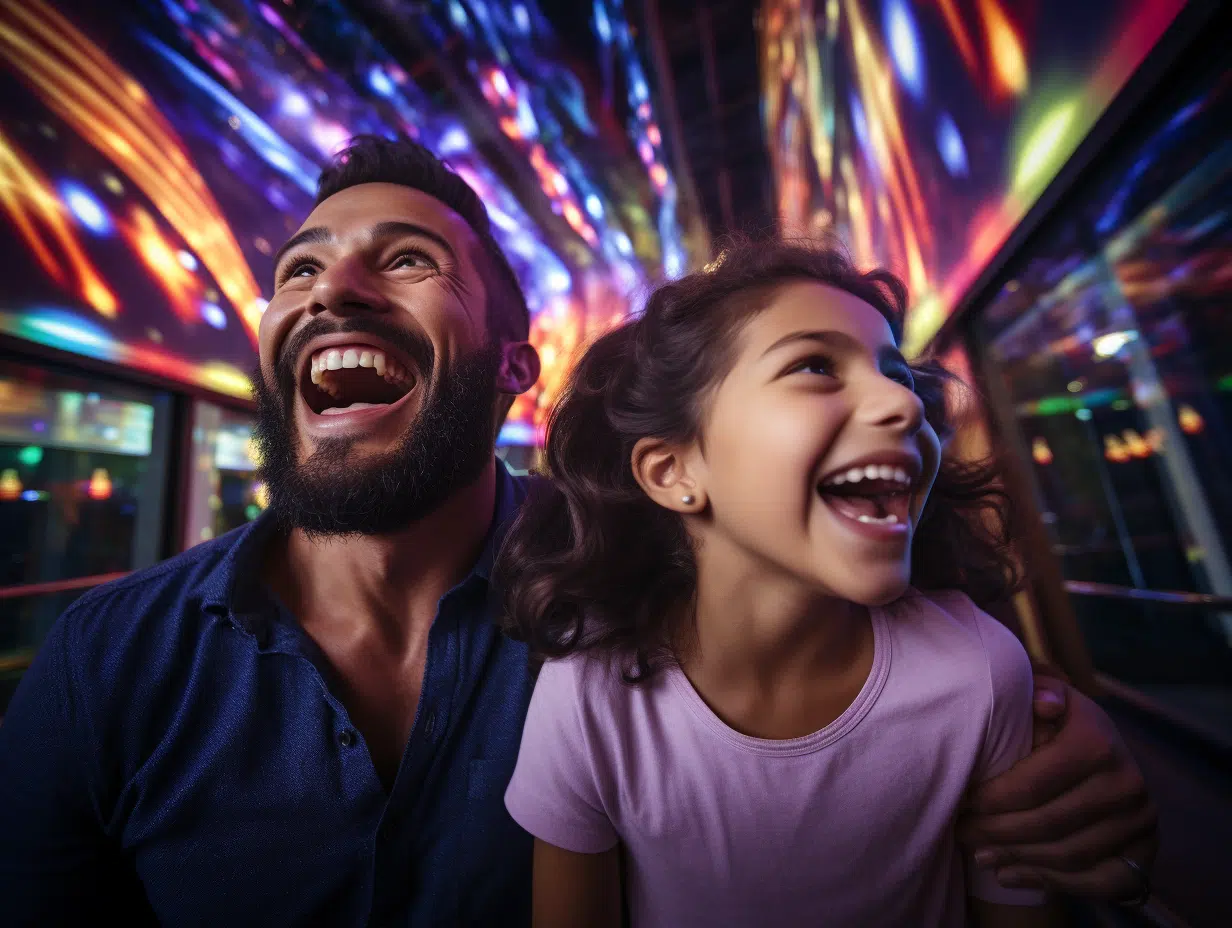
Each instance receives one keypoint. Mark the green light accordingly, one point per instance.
(252, 510)
(31, 455)
(1045, 149)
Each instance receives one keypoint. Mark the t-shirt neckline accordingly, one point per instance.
(817, 740)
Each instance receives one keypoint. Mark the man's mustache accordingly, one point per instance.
(412, 342)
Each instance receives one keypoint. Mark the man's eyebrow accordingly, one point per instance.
(317, 235)
(320, 235)
(394, 228)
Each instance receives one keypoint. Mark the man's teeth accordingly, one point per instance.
(871, 472)
(332, 359)
(890, 519)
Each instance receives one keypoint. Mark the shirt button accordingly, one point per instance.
(346, 738)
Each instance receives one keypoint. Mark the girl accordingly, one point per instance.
(742, 689)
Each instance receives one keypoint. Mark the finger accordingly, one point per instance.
(1098, 797)
(1044, 774)
(1043, 732)
(1051, 698)
(1111, 880)
(1079, 850)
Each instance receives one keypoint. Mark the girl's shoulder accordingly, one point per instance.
(955, 623)
(594, 681)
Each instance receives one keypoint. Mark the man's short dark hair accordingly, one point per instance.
(370, 159)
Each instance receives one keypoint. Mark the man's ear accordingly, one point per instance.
(519, 368)
(662, 471)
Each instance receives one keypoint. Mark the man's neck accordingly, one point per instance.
(389, 585)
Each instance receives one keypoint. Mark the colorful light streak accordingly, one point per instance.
(106, 106)
(31, 204)
(888, 172)
(253, 94)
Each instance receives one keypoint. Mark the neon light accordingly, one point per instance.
(950, 145)
(86, 208)
(1045, 149)
(905, 46)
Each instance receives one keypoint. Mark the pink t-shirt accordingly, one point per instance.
(852, 825)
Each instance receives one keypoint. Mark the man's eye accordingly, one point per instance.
(301, 269)
(415, 259)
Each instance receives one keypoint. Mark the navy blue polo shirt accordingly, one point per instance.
(176, 753)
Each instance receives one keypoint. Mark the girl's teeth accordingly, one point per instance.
(856, 474)
(890, 519)
(901, 475)
(872, 472)
(365, 359)
(350, 358)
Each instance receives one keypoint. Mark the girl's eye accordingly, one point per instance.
(816, 364)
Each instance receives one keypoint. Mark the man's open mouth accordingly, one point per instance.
(872, 493)
(346, 378)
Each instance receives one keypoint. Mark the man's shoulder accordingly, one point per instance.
(159, 595)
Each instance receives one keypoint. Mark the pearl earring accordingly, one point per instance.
(687, 500)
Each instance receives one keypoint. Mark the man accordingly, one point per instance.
(312, 720)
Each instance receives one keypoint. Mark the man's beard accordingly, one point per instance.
(337, 492)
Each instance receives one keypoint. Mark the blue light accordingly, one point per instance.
(623, 244)
(379, 81)
(457, 14)
(86, 208)
(950, 144)
(603, 28)
(557, 280)
(594, 206)
(905, 49)
(30, 496)
(295, 103)
(521, 18)
(212, 313)
(453, 141)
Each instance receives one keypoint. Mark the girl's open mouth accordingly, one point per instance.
(872, 496)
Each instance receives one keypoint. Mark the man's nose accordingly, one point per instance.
(345, 288)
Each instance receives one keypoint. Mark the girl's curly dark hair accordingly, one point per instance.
(591, 563)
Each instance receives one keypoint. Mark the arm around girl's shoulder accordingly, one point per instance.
(1007, 739)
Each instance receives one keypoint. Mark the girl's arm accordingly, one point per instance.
(575, 890)
(995, 915)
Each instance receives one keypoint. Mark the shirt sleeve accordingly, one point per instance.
(54, 856)
(1007, 739)
(554, 793)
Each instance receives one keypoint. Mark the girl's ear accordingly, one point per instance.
(661, 470)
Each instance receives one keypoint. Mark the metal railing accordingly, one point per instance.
(1162, 597)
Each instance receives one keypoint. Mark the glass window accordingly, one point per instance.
(1114, 345)
(223, 490)
(83, 470)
